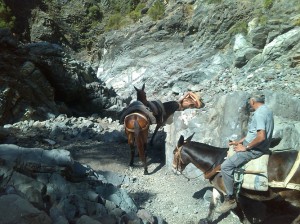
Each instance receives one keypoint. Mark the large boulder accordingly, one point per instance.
(15, 209)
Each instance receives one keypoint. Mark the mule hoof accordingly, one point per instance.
(146, 172)
(204, 221)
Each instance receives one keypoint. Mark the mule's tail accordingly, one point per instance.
(137, 130)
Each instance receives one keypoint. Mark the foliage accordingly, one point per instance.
(7, 20)
(123, 13)
(239, 27)
(297, 22)
(262, 20)
(157, 10)
(268, 4)
(94, 12)
(124, 7)
(135, 15)
(114, 21)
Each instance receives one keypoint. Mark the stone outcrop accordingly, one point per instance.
(39, 81)
(48, 186)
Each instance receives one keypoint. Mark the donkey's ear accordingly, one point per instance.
(190, 138)
(180, 141)
(136, 89)
(143, 87)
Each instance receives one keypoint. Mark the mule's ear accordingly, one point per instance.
(143, 87)
(190, 138)
(136, 89)
(180, 141)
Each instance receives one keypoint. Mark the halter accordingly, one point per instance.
(179, 159)
(139, 115)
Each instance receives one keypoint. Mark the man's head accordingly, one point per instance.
(255, 101)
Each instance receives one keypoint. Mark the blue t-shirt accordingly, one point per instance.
(262, 119)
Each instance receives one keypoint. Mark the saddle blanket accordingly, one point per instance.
(258, 178)
(255, 174)
(137, 106)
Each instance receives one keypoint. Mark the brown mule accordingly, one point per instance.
(136, 128)
(162, 111)
(282, 165)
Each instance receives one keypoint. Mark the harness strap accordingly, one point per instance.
(139, 115)
(158, 109)
(285, 183)
(238, 177)
(179, 159)
(210, 174)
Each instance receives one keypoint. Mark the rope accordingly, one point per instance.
(140, 115)
(286, 183)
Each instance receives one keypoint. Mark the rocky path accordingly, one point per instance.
(175, 199)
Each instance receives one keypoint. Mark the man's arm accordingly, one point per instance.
(236, 142)
(260, 137)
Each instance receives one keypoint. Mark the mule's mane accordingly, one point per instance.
(204, 156)
(199, 145)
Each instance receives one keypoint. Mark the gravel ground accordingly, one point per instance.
(174, 198)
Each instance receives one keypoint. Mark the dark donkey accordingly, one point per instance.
(162, 111)
(283, 165)
(137, 119)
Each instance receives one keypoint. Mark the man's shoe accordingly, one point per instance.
(228, 204)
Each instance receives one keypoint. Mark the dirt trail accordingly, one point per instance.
(174, 198)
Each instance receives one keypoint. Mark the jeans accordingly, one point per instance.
(236, 160)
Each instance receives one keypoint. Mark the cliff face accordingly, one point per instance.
(205, 46)
(210, 48)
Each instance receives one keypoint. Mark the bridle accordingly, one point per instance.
(178, 158)
(180, 161)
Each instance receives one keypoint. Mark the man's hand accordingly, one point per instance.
(240, 148)
(232, 143)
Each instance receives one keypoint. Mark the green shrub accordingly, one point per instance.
(268, 4)
(114, 22)
(94, 12)
(123, 7)
(157, 10)
(239, 27)
(135, 15)
(297, 22)
(6, 18)
(262, 20)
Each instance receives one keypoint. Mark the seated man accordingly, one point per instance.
(255, 144)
